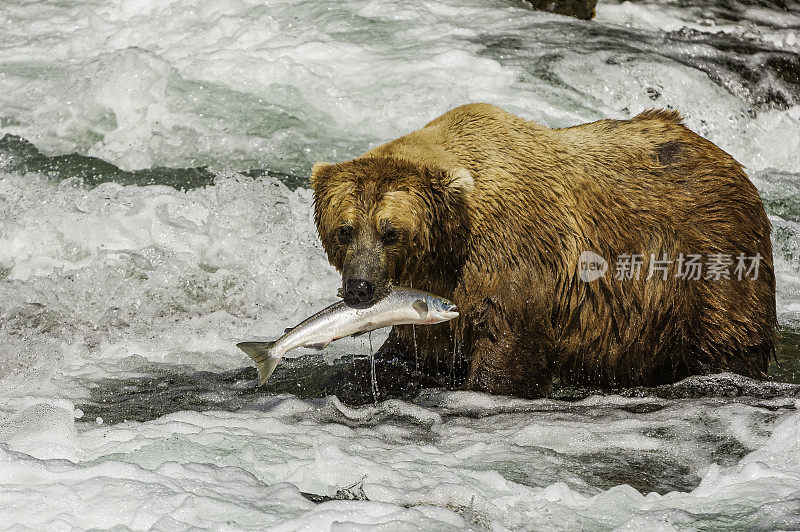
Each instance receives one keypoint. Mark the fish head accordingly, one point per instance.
(440, 309)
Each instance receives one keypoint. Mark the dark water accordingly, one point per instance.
(169, 388)
(19, 155)
(786, 367)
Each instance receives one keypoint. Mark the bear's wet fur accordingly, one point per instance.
(493, 212)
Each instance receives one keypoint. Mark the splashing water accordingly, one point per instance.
(373, 376)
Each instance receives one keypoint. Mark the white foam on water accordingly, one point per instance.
(106, 279)
(242, 84)
(510, 469)
(774, 26)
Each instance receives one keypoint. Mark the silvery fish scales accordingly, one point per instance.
(403, 306)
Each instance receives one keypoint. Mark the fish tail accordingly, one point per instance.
(265, 359)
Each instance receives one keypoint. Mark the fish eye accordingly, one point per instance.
(447, 305)
(389, 236)
(344, 235)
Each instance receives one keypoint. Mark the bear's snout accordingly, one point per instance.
(366, 272)
(358, 292)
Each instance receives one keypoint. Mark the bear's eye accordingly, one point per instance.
(389, 236)
(344, 235)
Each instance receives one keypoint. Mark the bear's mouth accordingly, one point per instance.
(363, 294)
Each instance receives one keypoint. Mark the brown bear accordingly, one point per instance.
(498, 214)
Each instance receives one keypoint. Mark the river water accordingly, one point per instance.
(154, 211)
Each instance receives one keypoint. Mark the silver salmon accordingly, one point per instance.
(403, 306)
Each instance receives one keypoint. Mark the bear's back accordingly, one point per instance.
(629, 166)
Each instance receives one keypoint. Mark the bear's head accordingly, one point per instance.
(384, 220)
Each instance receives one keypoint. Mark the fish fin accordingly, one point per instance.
(421, 307)
(319, 346)
(288, 329)
(265, 360)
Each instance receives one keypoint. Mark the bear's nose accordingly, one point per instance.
(358, 291)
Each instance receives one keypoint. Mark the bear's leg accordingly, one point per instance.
(508, 355)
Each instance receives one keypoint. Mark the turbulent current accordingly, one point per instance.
(155, 210)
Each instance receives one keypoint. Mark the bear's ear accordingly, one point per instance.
(457, 179)
(317, 171)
